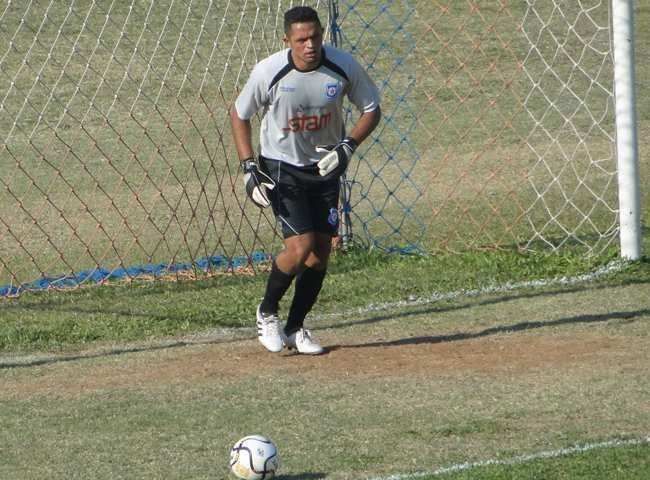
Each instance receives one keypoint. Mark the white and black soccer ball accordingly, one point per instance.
(254, 457)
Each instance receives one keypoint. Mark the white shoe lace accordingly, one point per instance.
(301, 340)
(304, 336)
(270, 325)
(273, 327)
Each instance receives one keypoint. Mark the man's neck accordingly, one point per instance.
(304, 66)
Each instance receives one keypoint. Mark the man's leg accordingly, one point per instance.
(276, 286)
(308, 285)
(289, 263)
(284, 269)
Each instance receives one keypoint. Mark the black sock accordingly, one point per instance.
(308, 286)
(276, 286)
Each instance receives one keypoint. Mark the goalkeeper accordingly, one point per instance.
(303, 152)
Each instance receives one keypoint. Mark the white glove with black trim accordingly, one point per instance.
(257, 183)
(338, 156)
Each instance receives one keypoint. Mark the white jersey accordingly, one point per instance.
(303, 109)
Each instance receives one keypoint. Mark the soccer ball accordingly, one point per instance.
(254, 458)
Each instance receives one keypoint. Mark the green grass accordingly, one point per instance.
(622, 462)
(405, 389)
(145, 311)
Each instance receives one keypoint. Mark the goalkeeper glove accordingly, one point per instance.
(257, 183)
(338, 156)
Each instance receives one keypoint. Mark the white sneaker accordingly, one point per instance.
(268, 331)
(302, 341)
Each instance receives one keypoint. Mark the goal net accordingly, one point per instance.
(117, 157)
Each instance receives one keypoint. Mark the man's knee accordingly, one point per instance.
(300, 247)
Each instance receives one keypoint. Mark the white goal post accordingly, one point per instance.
(629, 190)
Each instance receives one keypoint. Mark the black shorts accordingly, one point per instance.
(302, 200)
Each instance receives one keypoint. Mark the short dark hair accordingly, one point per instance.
(300, 15)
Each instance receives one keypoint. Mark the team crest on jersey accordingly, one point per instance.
(332, 90)
(333, 217)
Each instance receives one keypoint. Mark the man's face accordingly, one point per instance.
(305, 41)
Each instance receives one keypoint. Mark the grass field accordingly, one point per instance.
(418, 383)
(489, 364)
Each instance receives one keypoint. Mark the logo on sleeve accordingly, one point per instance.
(332, 90)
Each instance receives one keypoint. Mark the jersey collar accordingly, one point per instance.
(293, 65)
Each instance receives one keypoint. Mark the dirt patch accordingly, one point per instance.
(427, 356)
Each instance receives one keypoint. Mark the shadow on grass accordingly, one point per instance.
(414, 310)
(517, 327)
(62, 358)
(302, 476)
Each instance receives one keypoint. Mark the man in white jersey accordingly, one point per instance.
(303, 152)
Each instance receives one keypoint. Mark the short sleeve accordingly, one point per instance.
(363, 92)
(254, 95)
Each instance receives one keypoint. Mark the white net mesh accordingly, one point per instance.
(569, 66)
(117, 158)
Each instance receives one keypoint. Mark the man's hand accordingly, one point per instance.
(338, 156)
(257, 183)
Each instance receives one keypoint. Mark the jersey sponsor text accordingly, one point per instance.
(308, 123)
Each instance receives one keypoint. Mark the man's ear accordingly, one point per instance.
(285, 39)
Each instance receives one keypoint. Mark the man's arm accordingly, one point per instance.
(365, 125)
(257, 183)
(242, 134)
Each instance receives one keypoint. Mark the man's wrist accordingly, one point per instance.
(351, 143)
(248, 164)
